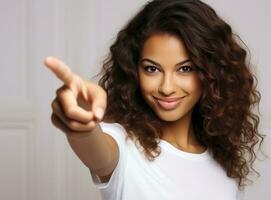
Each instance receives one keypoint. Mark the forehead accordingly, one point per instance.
(165, 45)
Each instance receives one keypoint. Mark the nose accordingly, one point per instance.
(167, 86)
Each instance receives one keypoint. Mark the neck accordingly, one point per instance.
(180, 133)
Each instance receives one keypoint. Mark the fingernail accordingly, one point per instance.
(99, 112)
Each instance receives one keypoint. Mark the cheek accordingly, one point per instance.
(147, 85)
(190, 84)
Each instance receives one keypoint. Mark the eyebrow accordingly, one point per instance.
(155, 63)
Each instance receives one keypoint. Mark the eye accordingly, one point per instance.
(186, 68)
(150, 68)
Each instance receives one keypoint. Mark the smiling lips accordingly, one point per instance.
(168, 103)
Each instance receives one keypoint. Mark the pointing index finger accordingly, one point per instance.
(60, 69)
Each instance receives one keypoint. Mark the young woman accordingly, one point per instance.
(172, 115)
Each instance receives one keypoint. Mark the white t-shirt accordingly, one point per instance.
(174, 175)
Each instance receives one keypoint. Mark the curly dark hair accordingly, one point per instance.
(224, 118)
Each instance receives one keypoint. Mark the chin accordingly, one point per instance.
(169, 117)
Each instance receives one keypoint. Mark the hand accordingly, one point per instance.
(79, 104)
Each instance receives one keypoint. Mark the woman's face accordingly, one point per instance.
(167, 78)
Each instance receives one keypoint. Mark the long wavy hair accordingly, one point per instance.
(224, 119)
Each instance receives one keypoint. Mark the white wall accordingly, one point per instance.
(35, 159)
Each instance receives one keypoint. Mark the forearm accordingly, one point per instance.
(92, 149)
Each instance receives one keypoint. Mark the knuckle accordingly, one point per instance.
(90, 125)
(76, 79)
(56, 107)
(70, 112)
(53, 119)
(53, 105)
(77, 127)
(60, 90)
(73, 126)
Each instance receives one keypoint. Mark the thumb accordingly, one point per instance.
(99, 112)
(98, 98)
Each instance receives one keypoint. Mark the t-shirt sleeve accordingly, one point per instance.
(240, 195)
(112, 188)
